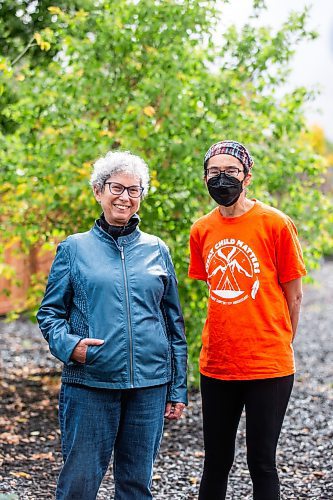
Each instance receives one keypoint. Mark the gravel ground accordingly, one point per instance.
(29, 437)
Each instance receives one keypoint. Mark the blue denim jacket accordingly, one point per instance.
(124, 292)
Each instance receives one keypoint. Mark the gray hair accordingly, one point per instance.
(115, 162)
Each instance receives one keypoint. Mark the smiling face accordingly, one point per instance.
(118, 209)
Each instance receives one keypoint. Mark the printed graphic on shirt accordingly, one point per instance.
(232, 269)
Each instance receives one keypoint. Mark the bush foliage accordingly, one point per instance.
(164, 79)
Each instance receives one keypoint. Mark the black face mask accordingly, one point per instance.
(224, 189)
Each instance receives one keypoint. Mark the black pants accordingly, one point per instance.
(265, 403)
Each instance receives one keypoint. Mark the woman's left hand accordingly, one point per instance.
(173, 411)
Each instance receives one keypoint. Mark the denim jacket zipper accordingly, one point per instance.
(128, 315)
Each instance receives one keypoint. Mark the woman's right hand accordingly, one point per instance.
(80, 352)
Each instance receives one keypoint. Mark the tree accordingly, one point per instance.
(146, 76)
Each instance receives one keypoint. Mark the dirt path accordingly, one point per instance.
(29, 439)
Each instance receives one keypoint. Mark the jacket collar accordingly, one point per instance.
(121, 240)
(117, 231)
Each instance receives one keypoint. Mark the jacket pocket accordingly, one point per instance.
(93, 352)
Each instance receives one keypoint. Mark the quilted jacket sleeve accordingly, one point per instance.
(54, 309)
(175, 326)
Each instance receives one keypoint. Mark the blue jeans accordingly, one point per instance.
(96, 422)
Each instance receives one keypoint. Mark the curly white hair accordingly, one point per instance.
(115, 162)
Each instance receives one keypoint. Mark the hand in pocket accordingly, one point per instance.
(80, 352)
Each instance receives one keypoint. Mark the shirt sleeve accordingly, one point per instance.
(197, 267)
(290, 263)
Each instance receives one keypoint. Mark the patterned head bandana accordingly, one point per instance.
(231, 148)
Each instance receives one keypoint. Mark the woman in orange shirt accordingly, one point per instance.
(250, 257)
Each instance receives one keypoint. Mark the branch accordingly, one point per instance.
(30, 44)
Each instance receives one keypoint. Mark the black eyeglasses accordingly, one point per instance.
(118, 189)
(232, 171)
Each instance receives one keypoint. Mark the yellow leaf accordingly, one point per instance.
(151, 50)
(130, 108)
(52, 131)
(41, 43)
(83, 172)
(38, 38)
(81, 14)
(154, 182)
(107, 133)
(45, 46)
(54, 10)
(181, 76)
(21, 474)
(13, 242)
(149, 111)
(6, 271)
(48, 32)
(6, 186)
(21, 188)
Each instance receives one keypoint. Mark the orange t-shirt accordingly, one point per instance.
(248, 333)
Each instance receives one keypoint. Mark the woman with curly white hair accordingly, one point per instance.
(111, 314)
